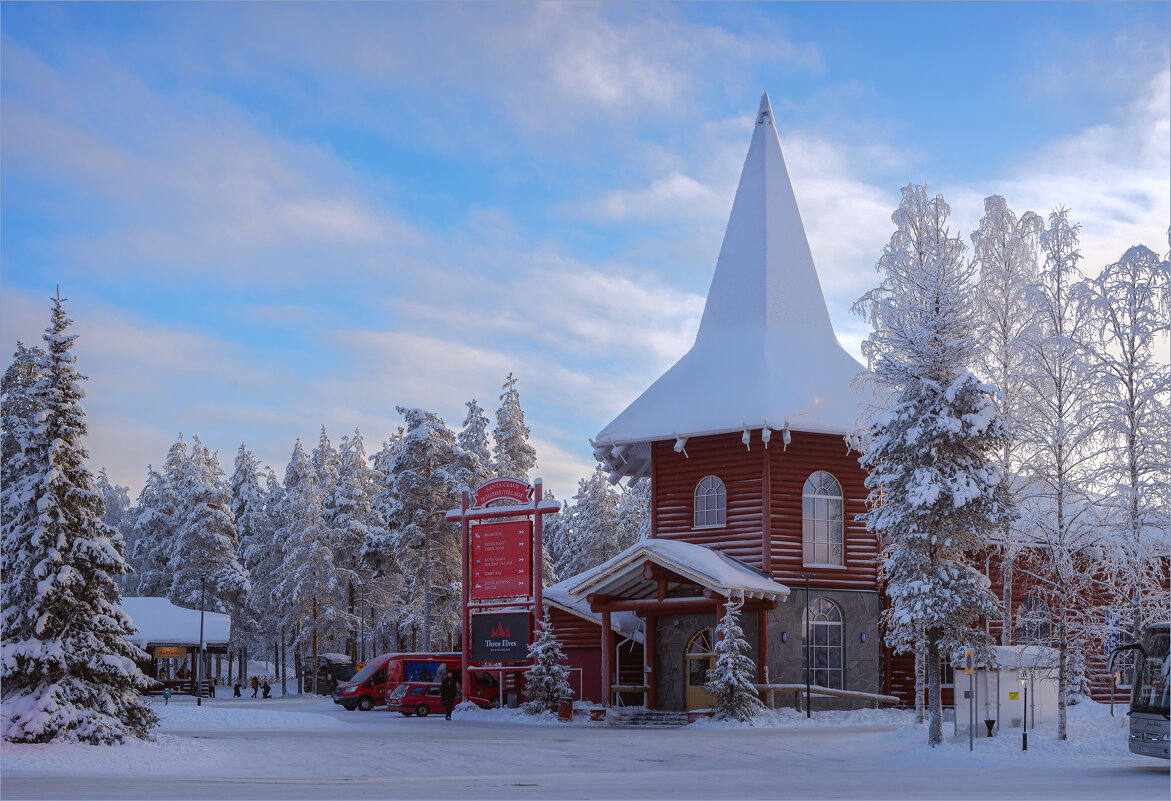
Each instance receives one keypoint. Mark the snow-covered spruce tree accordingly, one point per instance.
(247, 501)
(262, 558)
(149, 529)
(18, 410)
(929, 443)
(474, 457)
(548, 681)
(426, 548)
(356, 520)
(1130, 304)
(634, 513)
(513, 456)
(1005, 249)
(589, 535)
(731, 681)
(1078, 686)
(117, 501)
(1061, 436)
(309, 594)
(67, 668)
(205, 546)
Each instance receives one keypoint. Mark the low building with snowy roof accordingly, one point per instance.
(171, 636)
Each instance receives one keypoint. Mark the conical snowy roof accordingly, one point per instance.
(765, 353)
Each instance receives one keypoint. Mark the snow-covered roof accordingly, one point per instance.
(622, 574)
(626, 624)
(160, 622)
(766, 353)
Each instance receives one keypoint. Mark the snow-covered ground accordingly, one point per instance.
(304, 748)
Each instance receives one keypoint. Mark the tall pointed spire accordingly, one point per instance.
(765, 355)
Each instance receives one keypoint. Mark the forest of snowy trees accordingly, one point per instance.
(1019, 408)
(347, 549)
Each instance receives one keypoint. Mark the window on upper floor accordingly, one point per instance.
(711, 503)
(821, 521)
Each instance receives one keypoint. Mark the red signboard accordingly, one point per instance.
(502, 489)
(501, 559)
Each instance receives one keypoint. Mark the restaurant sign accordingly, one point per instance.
(500, 636)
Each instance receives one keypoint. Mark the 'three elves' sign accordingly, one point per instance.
(500, 636)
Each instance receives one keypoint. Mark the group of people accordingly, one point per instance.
(257, 684)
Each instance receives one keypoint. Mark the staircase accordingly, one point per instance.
(640, 716)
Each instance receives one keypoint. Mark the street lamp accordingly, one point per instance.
(1024, 714)
(199, 655)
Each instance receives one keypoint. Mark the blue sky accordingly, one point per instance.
(272, 217)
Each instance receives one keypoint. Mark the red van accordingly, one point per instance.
(421, 698)
(382, 674)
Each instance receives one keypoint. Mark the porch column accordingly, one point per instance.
(762, 651)
(607, 655)
(648, 653)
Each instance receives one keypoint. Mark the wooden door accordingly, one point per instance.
(698, 659)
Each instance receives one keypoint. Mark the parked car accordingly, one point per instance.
(421, 698)
(332, 670)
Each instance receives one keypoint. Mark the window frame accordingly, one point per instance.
(809, 530)
(719, 491)
(808, 622)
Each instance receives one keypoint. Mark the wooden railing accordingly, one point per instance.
(798, 690)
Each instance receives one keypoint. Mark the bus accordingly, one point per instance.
(1150, 715)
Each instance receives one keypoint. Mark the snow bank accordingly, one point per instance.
(506, 715)
(792, 719)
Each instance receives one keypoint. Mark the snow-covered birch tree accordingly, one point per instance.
(930, 440)
(67, 668)
(1005, 250)
(1061, 436)
(1130, 305)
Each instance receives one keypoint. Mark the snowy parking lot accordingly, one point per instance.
(306, 749)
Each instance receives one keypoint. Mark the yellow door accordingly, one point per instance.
(698, 659)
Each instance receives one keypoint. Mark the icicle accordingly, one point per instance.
(786, 436)
(747, 438)
(766, 434)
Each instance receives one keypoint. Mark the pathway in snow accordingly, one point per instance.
(305, 749)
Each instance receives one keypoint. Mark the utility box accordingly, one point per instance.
(999, 694)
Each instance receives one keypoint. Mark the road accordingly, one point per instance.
(385, 756)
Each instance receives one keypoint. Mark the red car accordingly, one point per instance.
(422, 698)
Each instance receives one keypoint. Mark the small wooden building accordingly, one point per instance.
(170, 636)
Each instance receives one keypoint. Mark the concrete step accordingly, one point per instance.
(638, 716)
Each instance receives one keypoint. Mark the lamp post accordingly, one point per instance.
(806, 635)
(1024, 714)
(199, 655)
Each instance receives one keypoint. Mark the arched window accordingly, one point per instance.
(822, 622)
(821, 520)
(711, 503)
(1033, 624)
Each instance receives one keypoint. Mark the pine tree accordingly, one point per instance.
(589, 532)
(514, 457)
(548, 680)
(356, 521)
(1005, 249)
(474, 457)
(634, 514)
(935, 490)
(205, 546)
(117, 515)
(68, 670)
(732, 681)
(309, 593)
(17, 412)
(151, 536)
(424, 547)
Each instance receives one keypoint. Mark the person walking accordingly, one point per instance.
(447, 691)
(255, 686)
(236, 689)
